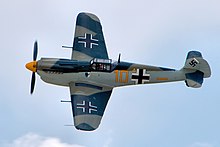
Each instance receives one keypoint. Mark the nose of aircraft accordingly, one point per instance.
(32, 66)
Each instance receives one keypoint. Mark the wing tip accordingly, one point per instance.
(91, 15)
(85, 127)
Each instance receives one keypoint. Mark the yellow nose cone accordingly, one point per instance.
(32, 66)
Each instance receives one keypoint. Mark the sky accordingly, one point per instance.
(149, 32)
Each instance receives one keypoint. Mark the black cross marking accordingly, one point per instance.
(140, 76)
(88, 41)
(86, 107)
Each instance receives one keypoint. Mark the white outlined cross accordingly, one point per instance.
(88, 41)
(86, 107)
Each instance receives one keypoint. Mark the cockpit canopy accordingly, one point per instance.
(105, 65)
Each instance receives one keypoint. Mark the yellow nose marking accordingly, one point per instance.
(32, 66)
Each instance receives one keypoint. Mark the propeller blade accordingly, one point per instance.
(35, 51)
(32, 82)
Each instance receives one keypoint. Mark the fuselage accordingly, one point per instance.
(103, 72)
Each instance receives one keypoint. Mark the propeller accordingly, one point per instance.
(32, 66)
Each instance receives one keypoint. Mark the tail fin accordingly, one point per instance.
(196, 68)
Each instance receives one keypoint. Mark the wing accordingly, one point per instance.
(88, 104)
(88, 40)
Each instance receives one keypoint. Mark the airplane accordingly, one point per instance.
(91, 75)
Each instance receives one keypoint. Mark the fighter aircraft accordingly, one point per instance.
(91, 75)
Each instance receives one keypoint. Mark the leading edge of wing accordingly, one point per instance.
(88, 105)
(88, 39)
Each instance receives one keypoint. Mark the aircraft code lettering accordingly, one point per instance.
(121, 76)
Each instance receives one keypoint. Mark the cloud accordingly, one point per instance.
(35, 140)
(201, 144)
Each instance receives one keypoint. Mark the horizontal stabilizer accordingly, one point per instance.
(195, 79)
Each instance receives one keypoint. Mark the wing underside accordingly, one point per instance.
(88, 39)
(88, 104)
